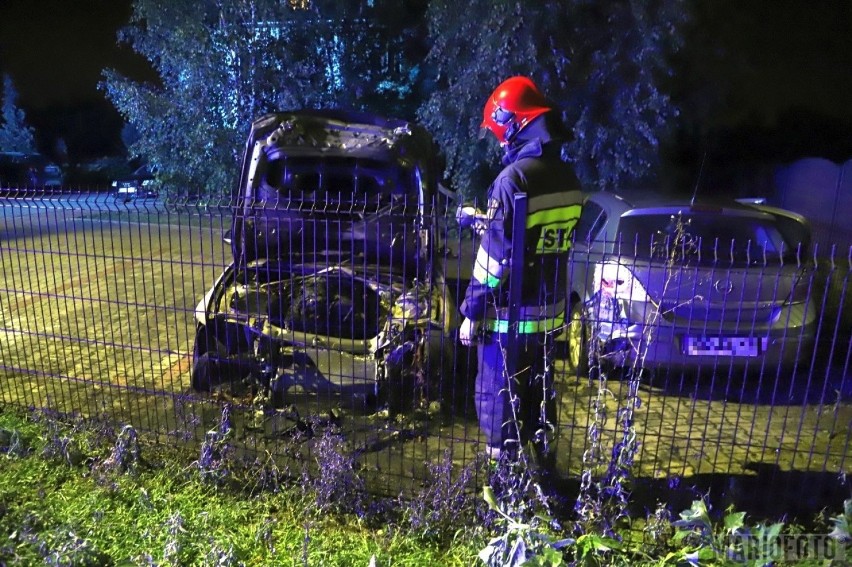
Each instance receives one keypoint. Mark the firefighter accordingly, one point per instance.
(526, 127)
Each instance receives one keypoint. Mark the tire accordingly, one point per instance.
(215, 357)
(578, 341)
(205, 374)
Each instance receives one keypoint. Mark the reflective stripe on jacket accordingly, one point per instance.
(531, 318)
(554, 204)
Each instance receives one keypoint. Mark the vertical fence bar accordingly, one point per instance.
(516, 278)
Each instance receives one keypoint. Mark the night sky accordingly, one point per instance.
(769, 76)
(55, 50)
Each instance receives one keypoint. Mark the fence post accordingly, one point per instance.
(516, 278)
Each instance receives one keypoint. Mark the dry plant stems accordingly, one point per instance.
(603, 499)
(445, 503)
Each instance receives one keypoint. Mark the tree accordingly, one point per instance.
(15, 134)
(602, 64)
(223, 63)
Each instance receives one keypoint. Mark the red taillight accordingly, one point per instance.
(616, 280)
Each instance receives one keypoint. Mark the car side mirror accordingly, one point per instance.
(226, 237)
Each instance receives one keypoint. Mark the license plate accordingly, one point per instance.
(725, 346)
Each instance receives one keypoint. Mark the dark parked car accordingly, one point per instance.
(332, 289)
(28, 171)
(710, 283)
(141, 184)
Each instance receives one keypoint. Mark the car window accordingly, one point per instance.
(705, 238)
(313, 178)
(591, 221)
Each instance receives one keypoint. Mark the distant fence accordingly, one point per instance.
(99, 315)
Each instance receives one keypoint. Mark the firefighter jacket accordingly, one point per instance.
(532, 166)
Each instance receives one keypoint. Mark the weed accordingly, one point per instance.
(842, 531)
(521, 517)
(658, 530)
(335, 485)
(267, 476)
(63, 547)
(216, 450)
(11, 443)
(602, 502)
(530, 542)
(174, 545)
(188, 420)
(445, 503)
(730, 541)
(217, 556)
(125, 456)
(265, 535)
(85, 524)
(64, 448)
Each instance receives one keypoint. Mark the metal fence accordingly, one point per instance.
(99, 315)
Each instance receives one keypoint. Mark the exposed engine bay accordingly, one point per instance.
(331, 302)
(330, 330)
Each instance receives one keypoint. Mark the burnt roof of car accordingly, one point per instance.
(330, 132)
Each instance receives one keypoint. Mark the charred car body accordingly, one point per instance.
(332, 290)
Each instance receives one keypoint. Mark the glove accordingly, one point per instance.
(468, 332)
(469, 216)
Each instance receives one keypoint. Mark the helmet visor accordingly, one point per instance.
(501, 117)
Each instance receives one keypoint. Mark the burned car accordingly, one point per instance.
(333, 291)
(691, 283)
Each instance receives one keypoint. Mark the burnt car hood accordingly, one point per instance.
(328, 186)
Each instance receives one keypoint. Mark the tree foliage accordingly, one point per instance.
(15, 134)
(601, 63)
(223, 63)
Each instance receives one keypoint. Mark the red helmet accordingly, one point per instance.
(511, 107)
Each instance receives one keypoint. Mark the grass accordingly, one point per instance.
(75, 492)
(60, 506)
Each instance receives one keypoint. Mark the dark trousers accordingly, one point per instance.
(494, 393)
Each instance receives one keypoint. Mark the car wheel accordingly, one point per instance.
(205, 374)
(578, 337)
(215, 357)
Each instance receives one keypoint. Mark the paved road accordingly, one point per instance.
(96, 316)
(97, 299)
